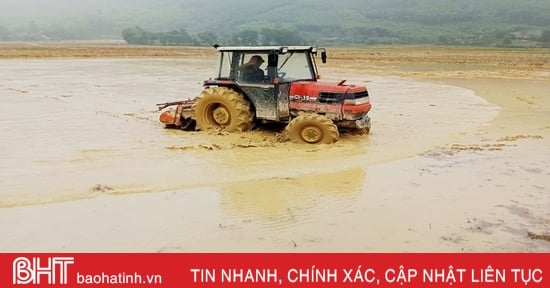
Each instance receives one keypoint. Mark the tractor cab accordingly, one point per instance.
(264, 75)
(279, 64)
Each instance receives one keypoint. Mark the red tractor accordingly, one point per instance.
(285, 89)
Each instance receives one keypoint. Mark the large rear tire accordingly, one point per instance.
(312, 129)
(222, 108)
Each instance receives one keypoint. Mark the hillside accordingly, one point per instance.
(488, 22)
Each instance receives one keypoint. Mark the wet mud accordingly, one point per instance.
(451, 164)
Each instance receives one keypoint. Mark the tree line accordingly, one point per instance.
(268, 36)
(263, 36)
(300, 34)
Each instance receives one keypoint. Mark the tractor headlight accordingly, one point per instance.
(357, 101)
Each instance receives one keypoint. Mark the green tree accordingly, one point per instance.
(207, 38)
(183, 37)
(136, 35)
(443, 39)
(246, 37)
(33, 31)
(545, 37)
(507, 41)
(281, 37)
(175, 37)
(4, 33)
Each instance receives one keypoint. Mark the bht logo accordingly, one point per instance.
(31, 271)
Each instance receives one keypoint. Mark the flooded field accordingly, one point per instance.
(450, 164)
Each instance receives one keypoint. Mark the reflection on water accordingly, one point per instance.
(277, 201)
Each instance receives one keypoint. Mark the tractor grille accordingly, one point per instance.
(357, 95)
(329, 97)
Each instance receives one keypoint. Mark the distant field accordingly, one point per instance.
(447, 61)
(96, 49)
(411, 60)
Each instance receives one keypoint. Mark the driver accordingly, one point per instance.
(250, 71)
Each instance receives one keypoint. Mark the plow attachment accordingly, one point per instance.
(180, 117)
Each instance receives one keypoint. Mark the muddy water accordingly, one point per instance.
(72, 128)
(83, 154)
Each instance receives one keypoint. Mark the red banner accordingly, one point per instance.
(275, 270)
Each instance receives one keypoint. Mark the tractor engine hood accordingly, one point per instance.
(327, 92)
(338, 101)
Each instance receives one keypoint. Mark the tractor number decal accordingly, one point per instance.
(302, 98)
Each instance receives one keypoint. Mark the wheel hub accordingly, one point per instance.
(311, 134)
(221, 115)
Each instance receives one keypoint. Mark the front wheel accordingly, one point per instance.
(312, 129)
(222, 108)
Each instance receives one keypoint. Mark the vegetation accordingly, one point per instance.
(545, 37)
(139, 36)
(346, 22)
(265, 36)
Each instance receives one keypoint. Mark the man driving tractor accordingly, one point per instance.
(251, 71)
